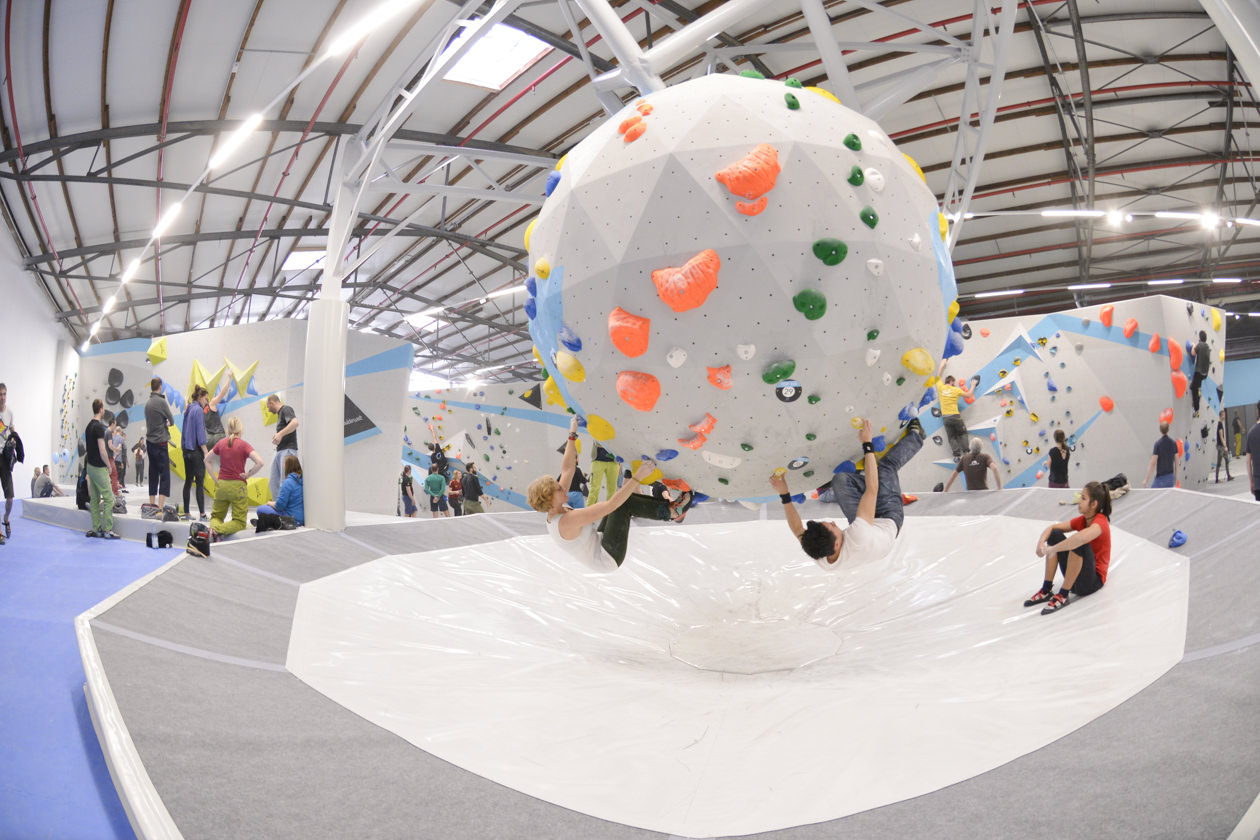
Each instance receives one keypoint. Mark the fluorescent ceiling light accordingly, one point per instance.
(1211, 220)
(235, 139)
(1226, 279)
(364, 25)
(167, 219)
(95, 329)
(1251, 222)
(130, 272)
(83, 347)
(1253, 314)
(423, 321)
(1164, 282)
(108, 306)
(421, 381)
(1089, 286)
(508, 291)
(1075, 214)
(302, 260)
(999, 294)
(1115, 218)
(1177, 214)
(498, 56)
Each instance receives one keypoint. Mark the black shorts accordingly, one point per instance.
(437, 503)
(6, 479)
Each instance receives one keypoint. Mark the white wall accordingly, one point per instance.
(37, 354)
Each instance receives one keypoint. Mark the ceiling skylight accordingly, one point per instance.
(498, 57)
(302, 260)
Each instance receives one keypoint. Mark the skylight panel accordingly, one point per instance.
(497, 58)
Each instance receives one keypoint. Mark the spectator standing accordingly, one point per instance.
(1202, 355)
(285, 440)
(112, 441)
(6, 467)
(1252, 450)
(229, 492)
(120, 454)
(98, 460)
(975, 466)
(407, 492)
(603, 474)
(473, 492)
(138, 452)
(1222, 449)
(435, 487)
(194, 448)
(1164, 461)
(1239, 431)
(1058, 460)
(455, 493)
(290, 501)
(157, 420)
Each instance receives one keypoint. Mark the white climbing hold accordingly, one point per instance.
(917, 242)
(874, 179)
(872, 356)
(887, 377)
(724, 462)
(745, 351)
(875, 267)
(676, 357)
(849, 409)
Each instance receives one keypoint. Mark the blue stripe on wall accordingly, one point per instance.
(393, 359)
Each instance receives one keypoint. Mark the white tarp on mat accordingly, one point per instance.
(885, 680)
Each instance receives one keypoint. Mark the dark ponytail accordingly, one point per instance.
(1101, 496)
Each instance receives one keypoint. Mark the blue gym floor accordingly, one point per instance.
(53, 779)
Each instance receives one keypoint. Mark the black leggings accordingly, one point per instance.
(615, 527)
(159, 469)
(1087, 582)
(195, 473)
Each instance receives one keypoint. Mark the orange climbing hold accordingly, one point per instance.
(1179, 383)
(1130, 327)
(689, 286)
(639, 390)
(1181, 448)
(1105, 315)
(1174, 354)
(1106, 403)
(705, 426)
(629, 333)
(720, 377)
(694, 442)
(752, 208)
(643, 107)
(754, 176)
(635, 132)
(628, 123)
(1154, 345)
(1166, 416)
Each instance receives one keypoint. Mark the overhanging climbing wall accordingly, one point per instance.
(1060, 371)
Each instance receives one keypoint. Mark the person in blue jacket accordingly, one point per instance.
(288, 503)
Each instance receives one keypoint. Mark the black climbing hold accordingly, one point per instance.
(788, 391)
(797, 463)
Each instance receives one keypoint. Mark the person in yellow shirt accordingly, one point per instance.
(955, 428)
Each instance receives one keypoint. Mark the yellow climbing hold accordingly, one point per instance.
(943, 223)
(529, 231)
(552, 392)
(656, 475)
(269, 418)
(828, 94)
(856, 422)
(570, 366)
(537, 358)
(241, 376)
(157, 350)
(1216, 319)
(916, 166)
(1221, 353)
(599, 428)
(918, 361)
(543, 269)
(952, 312)
(560, 163)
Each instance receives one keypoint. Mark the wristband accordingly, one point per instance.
(572, 437)
(786, 498)
(868, 448)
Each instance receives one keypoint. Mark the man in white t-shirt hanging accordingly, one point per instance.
(871, 502)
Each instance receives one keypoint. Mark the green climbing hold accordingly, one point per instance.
(814, 399)
(872, 335)
(793, 103)
(751, 74)
(901, 380)
(830, 251)
(793, 82)
(778, 371)
(853, 142)
(869, 216)
(856, 176)
(811, 436)
(498, 432)
(811, 303)
(487, 457)
(724, 481)
(747, 447)
(807, 473)
(511, 390)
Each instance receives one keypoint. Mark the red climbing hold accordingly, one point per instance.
(629, 333)
(705, 426)
(1105, 315)
(628, 123)
(720, 377)
(688, 286)
(752, 208)
(1154, 345)
(754, 176)
(1130, 327)
(1106, 403)
(694, 442)
(1174, 354)
(1179, 383)
(1166, 416)
(639, 390)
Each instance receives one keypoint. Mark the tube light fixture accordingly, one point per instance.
(508, 291)
(364, 25)
(108, 306)
(1080, 286)
(1226, 279)
(234, 141)
(999, 294)
(1211, 220)
(132, 268)
(1248, 222)
(1075, 214)
(95, 329)
(84, 346)
(1178, 214)
(167, 219)
(1164, 282)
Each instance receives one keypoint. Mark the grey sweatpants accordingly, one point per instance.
(849, 487)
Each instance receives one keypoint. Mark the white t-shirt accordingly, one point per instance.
(6, 420)
(864, 541)
(585, 548)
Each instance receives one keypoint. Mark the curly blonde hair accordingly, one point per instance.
(541, 492)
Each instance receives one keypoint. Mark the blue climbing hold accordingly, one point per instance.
(696, 496)
(799, 498)
(531, 309)
(1177, 540)
(665, 455)
(531, 285)
(846, 467)
(879, 443)
(553, 180)
(569, 339)
(953, 344)
(907, 414)
(929, 397)
(1050, 386)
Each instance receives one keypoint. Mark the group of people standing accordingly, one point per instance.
(450, 492)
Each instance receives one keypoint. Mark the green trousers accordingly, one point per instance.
(229, 494)
(101, 494)
(605, 473)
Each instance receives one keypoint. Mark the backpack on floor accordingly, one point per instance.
(120, 504)
(199, 539)
(81, 495)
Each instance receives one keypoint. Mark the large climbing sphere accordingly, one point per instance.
(711, 254)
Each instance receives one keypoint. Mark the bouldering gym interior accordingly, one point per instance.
(630, 419)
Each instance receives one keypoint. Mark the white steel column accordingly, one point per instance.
(1239, 22)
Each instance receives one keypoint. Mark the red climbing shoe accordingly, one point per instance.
(907, 499)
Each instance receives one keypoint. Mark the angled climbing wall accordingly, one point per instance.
(1106, 375)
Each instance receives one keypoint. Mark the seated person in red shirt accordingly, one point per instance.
(1083, 557)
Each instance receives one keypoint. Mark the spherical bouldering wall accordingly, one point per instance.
(730, 275)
